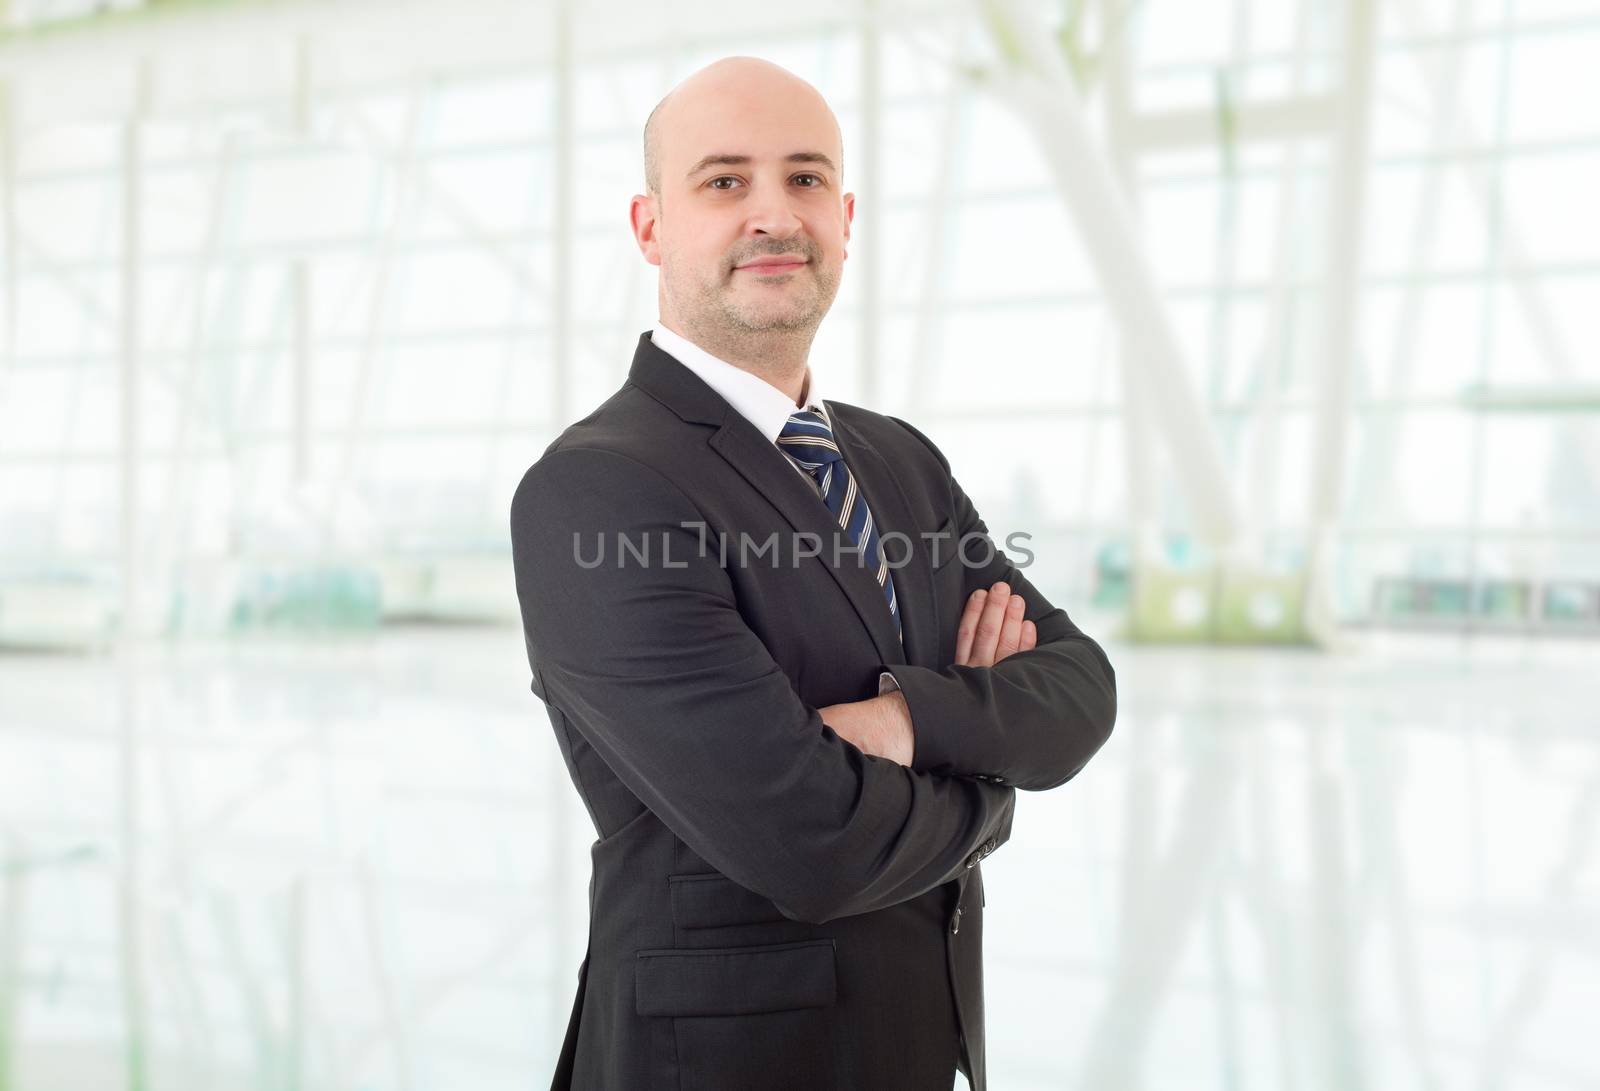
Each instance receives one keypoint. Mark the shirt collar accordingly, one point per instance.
(761, 403)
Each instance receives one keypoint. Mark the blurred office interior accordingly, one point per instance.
(1273, 325)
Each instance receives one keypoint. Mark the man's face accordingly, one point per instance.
(751, 225)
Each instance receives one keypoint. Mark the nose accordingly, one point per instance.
(772, 214)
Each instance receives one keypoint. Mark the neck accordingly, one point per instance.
(777, 357)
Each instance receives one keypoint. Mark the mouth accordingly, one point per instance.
(771, 267)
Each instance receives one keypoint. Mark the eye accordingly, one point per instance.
(721, 178)
(817, 178)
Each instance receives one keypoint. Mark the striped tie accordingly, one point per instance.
(808, 440)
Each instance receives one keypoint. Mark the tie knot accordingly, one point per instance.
(808, 440)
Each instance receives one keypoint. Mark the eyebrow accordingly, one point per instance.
(726, 160)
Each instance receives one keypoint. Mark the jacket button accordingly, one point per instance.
(972, 861)
(955, 921)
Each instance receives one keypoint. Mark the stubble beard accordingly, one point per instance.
(717, 318)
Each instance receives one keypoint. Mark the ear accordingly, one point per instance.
(849, 215)
(644, 218)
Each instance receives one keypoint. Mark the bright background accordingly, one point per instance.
(1276, 325)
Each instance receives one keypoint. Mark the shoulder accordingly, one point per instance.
(892, 437)
(630, 421)
(612, 456)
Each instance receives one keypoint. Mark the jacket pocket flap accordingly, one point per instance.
(715, 901)
(734, 980)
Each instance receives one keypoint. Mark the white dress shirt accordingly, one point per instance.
(761, 403)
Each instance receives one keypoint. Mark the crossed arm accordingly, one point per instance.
(1035, 719)
(656, 669)
(1027, 703)
(992, 627)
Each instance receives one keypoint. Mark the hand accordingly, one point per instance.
(880, 726)
(992, 627)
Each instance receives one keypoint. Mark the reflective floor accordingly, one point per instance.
(359, 864)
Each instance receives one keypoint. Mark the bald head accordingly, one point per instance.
(745, 213)
(733, 79)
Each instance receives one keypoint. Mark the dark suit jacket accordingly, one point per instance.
(769, 907)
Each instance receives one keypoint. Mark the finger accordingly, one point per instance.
(969, 626)
(989, 622)
(1010, 628)
(1030, 636)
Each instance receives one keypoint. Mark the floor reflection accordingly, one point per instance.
(361, 865)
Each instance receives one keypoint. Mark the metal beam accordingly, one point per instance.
(1268, 405)
(1257, 122)
(562, 252)
(868, 234)
(927, 333)
(1038, 85)
(383, 262)
(1138, 434)
(1341, 308)
(9, 310)
(1548, 398)
(300, 286)
(1375, 480)
(130, 913)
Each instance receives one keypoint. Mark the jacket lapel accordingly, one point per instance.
(908, 559)
(771, 474)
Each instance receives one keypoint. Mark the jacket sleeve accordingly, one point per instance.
(1033, 719)
(653, 664)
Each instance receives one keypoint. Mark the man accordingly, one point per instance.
(792, 679)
